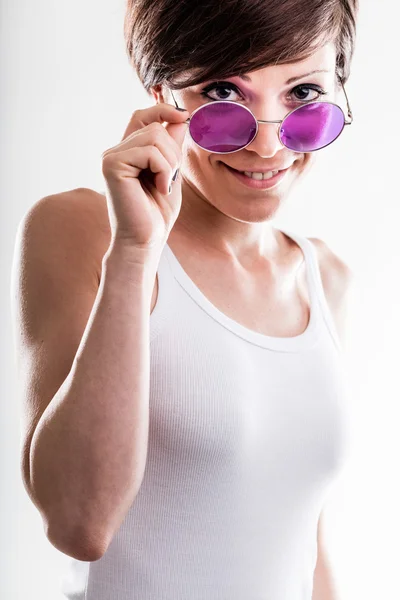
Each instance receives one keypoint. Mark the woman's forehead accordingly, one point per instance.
(322, 60)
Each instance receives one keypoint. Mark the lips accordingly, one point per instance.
(252, 170)
(257, 184)
(260, 170)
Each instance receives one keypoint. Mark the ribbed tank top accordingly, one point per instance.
(247, 434)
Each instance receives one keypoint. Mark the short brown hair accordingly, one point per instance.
(214, 40)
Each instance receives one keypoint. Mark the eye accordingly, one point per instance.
(306, 87)
(219, 85)
(302, 91)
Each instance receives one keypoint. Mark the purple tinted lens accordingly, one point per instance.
(227, 126)
(312, 126)
(222, 127)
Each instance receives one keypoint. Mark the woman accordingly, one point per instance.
(197, 445)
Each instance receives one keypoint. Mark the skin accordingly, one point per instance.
(225, 220)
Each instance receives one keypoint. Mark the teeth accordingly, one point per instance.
(260, 176)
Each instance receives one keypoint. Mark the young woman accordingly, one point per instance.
(186, 403)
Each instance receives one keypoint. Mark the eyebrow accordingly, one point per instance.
(292, 79)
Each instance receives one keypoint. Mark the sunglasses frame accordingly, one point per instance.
(257, 121)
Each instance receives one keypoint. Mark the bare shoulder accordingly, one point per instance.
(334, 270)
(79, 215)
(91, 214)
(338, 280)
(91, 217)
(84, 208)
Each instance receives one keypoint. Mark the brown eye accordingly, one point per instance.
(223, 90)
(303, 91)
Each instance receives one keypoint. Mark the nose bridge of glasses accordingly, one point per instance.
(263, 121)
(272, 108)
(266, 141)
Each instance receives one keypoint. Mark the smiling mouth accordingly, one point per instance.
(258, 176)
(270, 182)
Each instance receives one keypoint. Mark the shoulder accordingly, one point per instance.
(338, 281)
(81, 205)
(79, 215)
(334, 270)
(87, 204)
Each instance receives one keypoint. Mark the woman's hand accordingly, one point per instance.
(138, 173)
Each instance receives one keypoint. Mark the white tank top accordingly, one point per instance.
(247, 434)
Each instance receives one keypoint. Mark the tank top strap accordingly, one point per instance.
(166, 296)
(315, 282)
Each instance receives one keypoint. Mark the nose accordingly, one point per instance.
(267, 142)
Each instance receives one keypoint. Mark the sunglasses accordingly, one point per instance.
(224, 126)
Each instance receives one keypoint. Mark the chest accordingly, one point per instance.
(280, 309)
(241, 409)
(276, 306)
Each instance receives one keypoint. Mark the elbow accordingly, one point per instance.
(76, 541)
(78, 544)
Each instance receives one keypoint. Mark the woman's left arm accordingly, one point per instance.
(338, 281)
(324, 587)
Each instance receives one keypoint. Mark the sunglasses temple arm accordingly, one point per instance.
(176, 104)
(349, 112)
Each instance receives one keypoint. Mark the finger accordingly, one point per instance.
(130, 163)
(168, 139)
(177, 132)
(154, 135)
(159, 113)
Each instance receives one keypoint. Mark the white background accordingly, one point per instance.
(67, 93)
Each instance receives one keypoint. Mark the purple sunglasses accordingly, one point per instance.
(224, 126)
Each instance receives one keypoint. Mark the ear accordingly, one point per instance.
(158, 93)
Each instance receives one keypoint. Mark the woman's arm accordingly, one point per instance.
(83, 364)
(324, 587)
(339, 286)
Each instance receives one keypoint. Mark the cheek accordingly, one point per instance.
(200, 159)
(306, 162)
(309, 158)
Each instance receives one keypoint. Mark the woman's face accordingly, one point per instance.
(269, 96)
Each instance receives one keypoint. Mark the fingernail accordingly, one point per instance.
(175, 175)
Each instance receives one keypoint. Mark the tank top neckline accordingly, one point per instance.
(296, 343)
